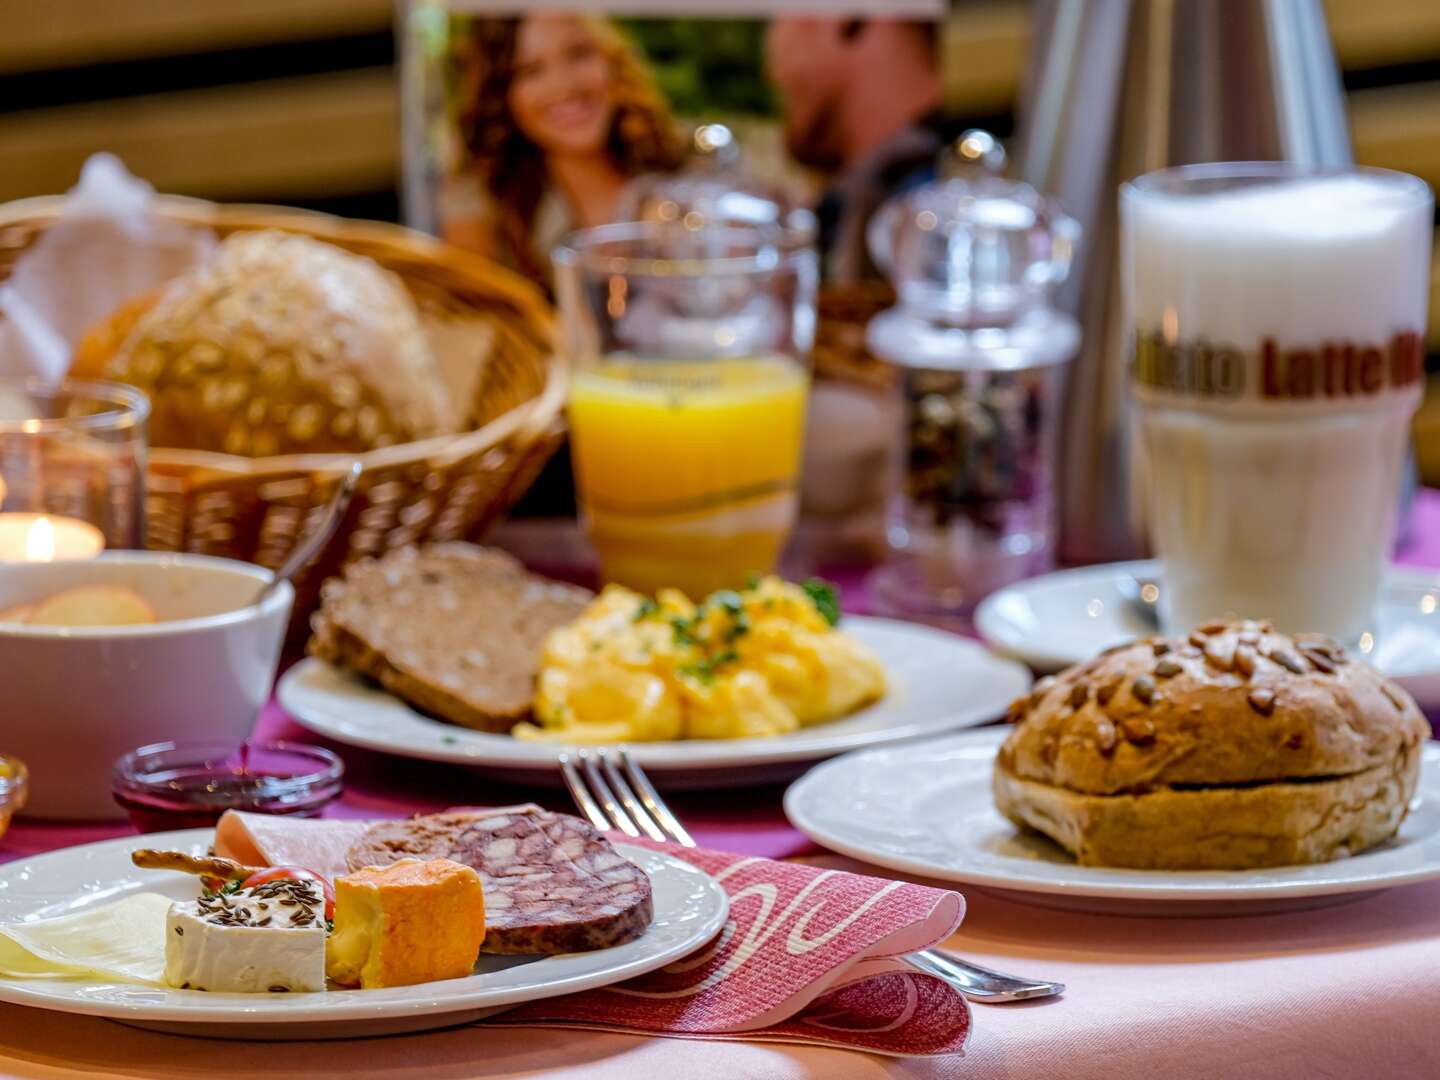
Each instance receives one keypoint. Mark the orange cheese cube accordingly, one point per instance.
(410, 922)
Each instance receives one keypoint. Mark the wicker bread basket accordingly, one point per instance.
(449, 487)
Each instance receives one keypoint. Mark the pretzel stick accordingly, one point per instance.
(204, 865)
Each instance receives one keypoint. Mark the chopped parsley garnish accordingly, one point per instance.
(728, 602)
(694, 631)
(822, 595)
(647, 608)
(704, 671)
(228, 889)
(700, 671)
(738, 629)
(732, 605)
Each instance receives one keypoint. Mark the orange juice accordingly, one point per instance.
(688, 471)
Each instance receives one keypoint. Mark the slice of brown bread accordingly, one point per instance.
(454, 629)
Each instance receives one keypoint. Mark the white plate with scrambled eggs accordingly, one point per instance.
(926, 681)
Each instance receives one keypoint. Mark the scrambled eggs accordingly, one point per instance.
(762, 661)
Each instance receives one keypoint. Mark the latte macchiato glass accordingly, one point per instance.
(1278, 324)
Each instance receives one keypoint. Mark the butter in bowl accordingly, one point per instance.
(128, 649)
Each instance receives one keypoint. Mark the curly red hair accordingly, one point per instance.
(643, 136)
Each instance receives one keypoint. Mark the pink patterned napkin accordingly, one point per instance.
(807, 955)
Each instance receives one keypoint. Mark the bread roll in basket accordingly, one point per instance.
(444, 487)
(279, 344)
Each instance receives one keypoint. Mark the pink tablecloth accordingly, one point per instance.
(1348, 990)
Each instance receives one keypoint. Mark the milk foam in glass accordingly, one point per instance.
(1278, 354)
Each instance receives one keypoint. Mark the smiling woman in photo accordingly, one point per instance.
(556, 113)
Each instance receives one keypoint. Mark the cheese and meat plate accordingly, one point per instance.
(273, 927)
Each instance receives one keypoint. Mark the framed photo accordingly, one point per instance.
(524, 120)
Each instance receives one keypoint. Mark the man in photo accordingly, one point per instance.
(861, 104)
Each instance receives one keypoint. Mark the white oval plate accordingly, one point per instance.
(938, 681)
(690, 909)
(1059, 619)
(926, 809)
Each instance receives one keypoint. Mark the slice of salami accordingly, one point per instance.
(553, 884)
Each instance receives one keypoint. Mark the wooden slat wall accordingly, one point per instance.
(40, 34)
(324, 135)
(1396, 127)
(987, 40)
(1393, 127)
(321, 135)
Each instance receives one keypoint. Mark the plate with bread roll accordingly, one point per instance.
(1232, 770)
(451, 652)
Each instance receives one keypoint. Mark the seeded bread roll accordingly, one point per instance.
(454, 629)
(1235, 747)
(279, 344)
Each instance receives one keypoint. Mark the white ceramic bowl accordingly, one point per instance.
(72, 700)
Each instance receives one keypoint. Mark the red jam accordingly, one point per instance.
(185, 786)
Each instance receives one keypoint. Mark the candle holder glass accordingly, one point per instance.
(75, 450)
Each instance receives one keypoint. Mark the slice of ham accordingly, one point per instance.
(270, 840)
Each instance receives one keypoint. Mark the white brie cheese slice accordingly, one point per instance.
(252, 941)
(118, 940)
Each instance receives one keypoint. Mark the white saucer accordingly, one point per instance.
(690, 909)
(938, 682)
(925, 809)
(1059, 619)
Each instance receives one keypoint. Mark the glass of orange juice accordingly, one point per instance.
(687, 400)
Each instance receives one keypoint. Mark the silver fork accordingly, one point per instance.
(623, 798)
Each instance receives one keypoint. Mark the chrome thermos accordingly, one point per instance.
(1121, 87)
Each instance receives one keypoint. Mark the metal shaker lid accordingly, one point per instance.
(973, 258)
(714, 188)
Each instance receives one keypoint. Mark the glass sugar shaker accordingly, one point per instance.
(982, 361)
(715, 188)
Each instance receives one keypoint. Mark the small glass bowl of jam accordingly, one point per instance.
(14, 786)
(188, 785)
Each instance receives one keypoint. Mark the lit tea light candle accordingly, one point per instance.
(47, 538)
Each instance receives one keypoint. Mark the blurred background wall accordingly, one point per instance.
(293, 101)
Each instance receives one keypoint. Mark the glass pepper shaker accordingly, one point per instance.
(982, 361)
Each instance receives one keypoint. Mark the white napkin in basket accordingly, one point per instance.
(106, 248)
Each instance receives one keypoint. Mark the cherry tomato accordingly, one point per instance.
(294, 873)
